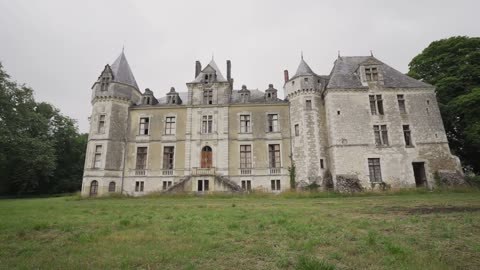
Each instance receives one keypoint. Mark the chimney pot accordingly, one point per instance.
(285, 75)
(229, 70)
(198, 68)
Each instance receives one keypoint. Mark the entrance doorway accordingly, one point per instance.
(206, 158)
(203, 185)
(419, 173)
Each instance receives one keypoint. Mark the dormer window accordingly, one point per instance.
(306, 79)
(371, 74)
(104, 84)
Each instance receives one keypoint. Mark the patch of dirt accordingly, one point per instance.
(422, 210)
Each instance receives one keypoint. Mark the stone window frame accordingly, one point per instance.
(208, 96)
(322, 164)
(166, 184)
(239, 114)
(411, 145)
(380, 167)
(308, 103)
(246, 184)
(376, 104)
(174, 132)
(112, 186)
(100, 154)
(174, 155)
(207, 131)
(268, 143)
(296, 130)
(146, 157)
(148, 125)
(252, 165)
(99, 121)
(279, 128)
(371, 73)
(275, 184)
(382, 137)
(402, 103)
(140, 186)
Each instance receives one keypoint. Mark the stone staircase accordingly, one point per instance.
(234, 187)
(229, 184)
(179, 186)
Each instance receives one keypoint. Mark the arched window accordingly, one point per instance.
(94, 188)
(111, 187)
(206, 157)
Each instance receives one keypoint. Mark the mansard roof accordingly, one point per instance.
(122, 72)
(303, 70)
(345, 74)
(211, 67)
(256, 96)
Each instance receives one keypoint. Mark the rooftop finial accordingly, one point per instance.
(338, 54)
(302, 54)
(371, 53)
(123, 48)
(213, 56)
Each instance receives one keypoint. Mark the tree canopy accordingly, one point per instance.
(41, 150)
(453, 66)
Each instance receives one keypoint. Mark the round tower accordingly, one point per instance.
(112, 94)
(307, 124)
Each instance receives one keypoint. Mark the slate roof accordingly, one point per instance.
(214, 66)
(122, 72)
(256, 97)
(303, 70)
(345, 74)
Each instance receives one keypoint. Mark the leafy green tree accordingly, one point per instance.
(453, 66)
(40, 149)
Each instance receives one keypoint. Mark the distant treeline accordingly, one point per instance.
(41, 150)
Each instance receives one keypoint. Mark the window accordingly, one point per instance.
(94, 188)
(274, 155)
(141, 158)
(245, 123)
(207, 123)
(247, 184)
(381, 135)
(272, 120)
(101, 124)
(203, 185)
(166, 184)
(376, 104)
(371, 73)
(168, 157)
(308, 104)
(275, 184)
(170, 125)
(207, 97)
(139, 185)
(97, 161)
(245, 156)
(321, 164)
(111, 187)
(407, 135)
(305, 79)
(297, 130)
(104, 84)
(144, 123)
(401, 103)
(374, 170)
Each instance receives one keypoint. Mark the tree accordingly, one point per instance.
(453, 66)
(40, 149)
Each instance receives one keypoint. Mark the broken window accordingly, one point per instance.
(297, 130)
(371, 73)
(374, 170)
(245, 123)
(247, 184)
(101, 124)
(170, 125)
(275, 184)
(139, 185)
(381, 135)
(407, 135)
(245, 156)
(274, 155)
(207, 123)
(376, 104)
(401, 103)
(144, 124)
(141, 163)
(272, 122)
(308, 104)
(97, 161)
(208, 96)
(168, 157)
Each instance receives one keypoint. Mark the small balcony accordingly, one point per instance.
(140, 172)
(245, 171)
(275, 170)
(167, 172)
(203, 171)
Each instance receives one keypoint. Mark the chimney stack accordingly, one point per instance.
(198, 68)
(285, 75)
(229, 70)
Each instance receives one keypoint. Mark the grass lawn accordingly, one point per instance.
(404, 231)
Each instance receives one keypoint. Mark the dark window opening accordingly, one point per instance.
(376, 104)
(374, 170)
(247, 185)
(401, 103)
(407, 134)
(94, 188)
(141, 163)
(274, 155)
(168, 157)
(381, 135)
(111, 187)
(144, 125)
(275, 185)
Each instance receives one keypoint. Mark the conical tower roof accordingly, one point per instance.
(122, 72)
(303, 69)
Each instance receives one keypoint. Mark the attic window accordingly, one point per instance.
(104, 84)
(306, 79)
(269, 95)
(293, 82)
(371, 73)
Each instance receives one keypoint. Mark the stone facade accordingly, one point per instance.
(365, 121)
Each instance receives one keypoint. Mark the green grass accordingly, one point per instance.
(406, 230)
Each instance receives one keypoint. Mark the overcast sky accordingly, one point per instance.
(60, 47)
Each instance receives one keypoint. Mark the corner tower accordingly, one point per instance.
(307, 123)
(112, 94)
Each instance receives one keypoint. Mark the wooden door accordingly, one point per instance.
(206, 158)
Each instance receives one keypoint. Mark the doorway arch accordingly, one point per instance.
(93, 188)
(206, 157)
